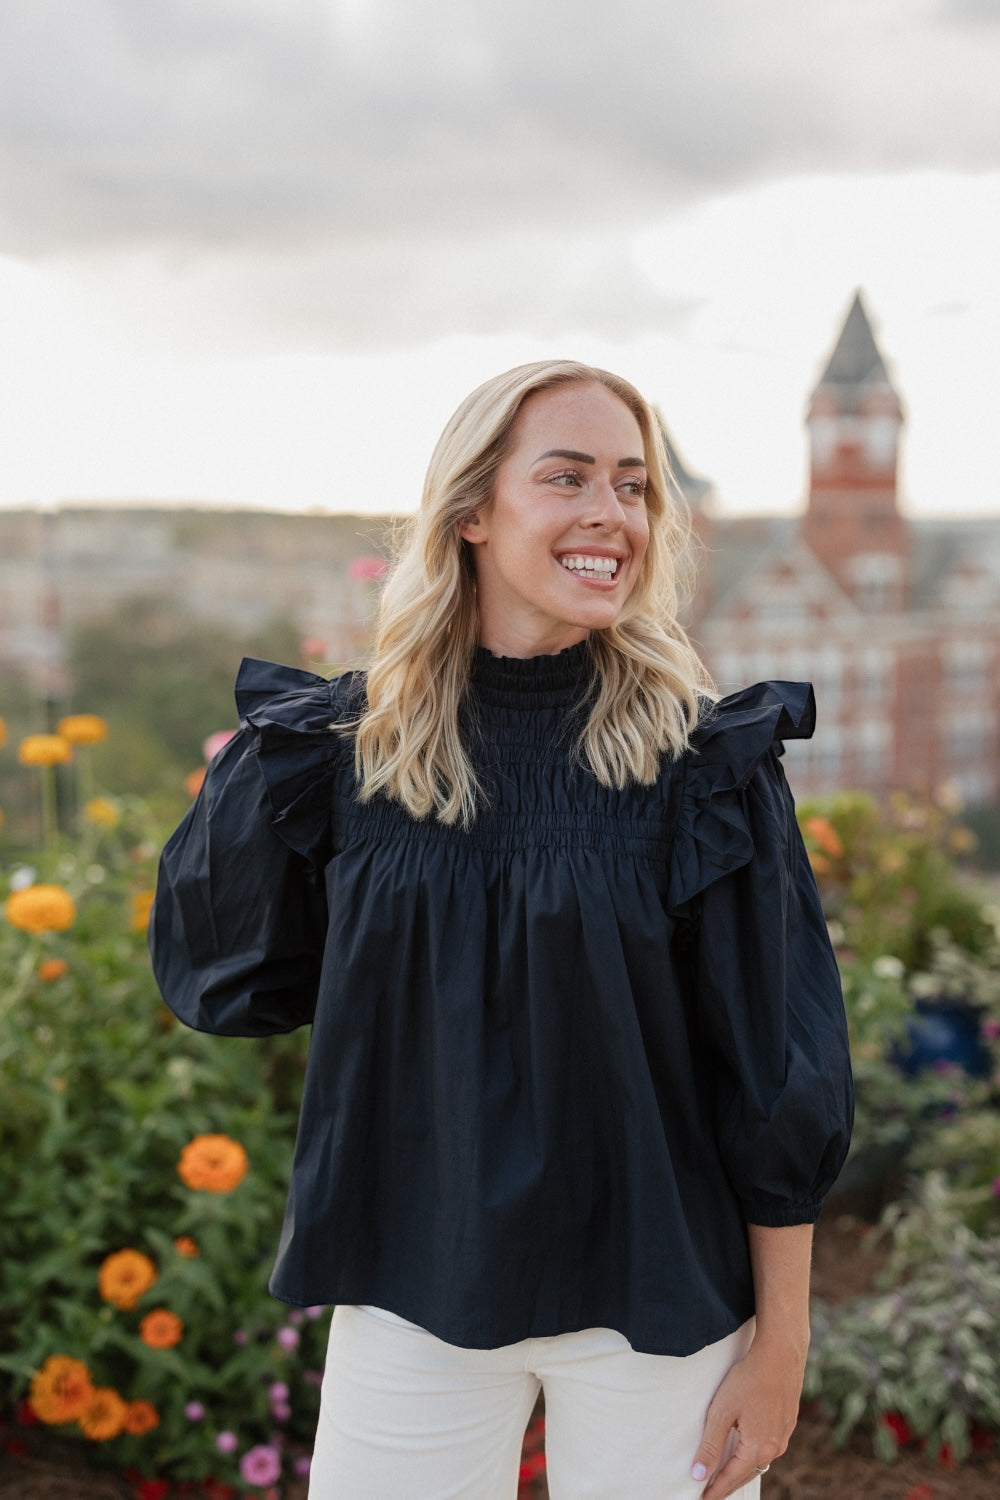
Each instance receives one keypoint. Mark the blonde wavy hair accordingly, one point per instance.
(647, 684)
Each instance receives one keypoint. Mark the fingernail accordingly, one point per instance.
(699, 1472)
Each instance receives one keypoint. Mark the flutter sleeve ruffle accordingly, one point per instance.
(302, 757)
(239, 922)
(767, 988)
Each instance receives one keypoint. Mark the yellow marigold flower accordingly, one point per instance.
(44, 750)
(140, 1417)
(104, 1415)
(213, 1164)
(142, 905)
(186, 1246)
(101, 811)
(52, 968)
(124, 1277)
(61, 1389)
(83, 729)
(40, 908)
(161, 1329)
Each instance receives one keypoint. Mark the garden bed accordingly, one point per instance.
(812, 1469)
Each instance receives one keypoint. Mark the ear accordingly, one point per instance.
(472, 529)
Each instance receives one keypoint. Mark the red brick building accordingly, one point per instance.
(896, 622)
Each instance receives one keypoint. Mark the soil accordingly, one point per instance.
(39, 1467)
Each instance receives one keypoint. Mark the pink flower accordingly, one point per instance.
(280, 1411)
(990, 1028)
(261, 1465)
(288, 1337)
(194, 1411)
(315, 1312)
(301, 1467)
(996, 1187)
(278, 1391)
(368, 569)
(227, 1442)
(216, 742)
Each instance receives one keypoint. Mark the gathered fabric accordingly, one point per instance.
(560, 1059)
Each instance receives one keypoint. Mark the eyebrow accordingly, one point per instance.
(588, 458)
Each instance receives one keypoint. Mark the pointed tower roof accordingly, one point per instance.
(856, 359)
(698, 493)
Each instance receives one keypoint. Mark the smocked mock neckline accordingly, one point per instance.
(515, 681)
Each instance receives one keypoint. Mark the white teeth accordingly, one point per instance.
(591, 567)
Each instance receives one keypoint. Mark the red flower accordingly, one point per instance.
(216, 1490)
(898, 1426)
(946, 1457)
(152, 1489)
(26, 1413)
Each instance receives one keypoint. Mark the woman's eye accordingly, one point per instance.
(568, 478)
(636, 488)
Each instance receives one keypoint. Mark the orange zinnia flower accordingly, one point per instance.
(186, 1246)
(161, 1329)
(825, 835)
(124, 1277)
(142, 905)
(52, 968)
(213, 1164)
(61, 1389)
(104, 1415)
(140, 1417)
(44, 750)
(40, 908)
(83, 729)
(194, 780)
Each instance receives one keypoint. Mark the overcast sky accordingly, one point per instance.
(255, 251)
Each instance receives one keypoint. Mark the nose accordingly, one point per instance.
(605, 507)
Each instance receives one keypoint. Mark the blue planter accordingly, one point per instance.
(943, 1031)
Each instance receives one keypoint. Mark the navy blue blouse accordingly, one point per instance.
(558, 1061)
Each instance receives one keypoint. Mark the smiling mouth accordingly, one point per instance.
(603, 569)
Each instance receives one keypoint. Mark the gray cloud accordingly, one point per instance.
(357, 169)
(209, 120)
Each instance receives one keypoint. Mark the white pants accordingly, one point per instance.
(407, 1417)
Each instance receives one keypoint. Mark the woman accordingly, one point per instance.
(578, 1077)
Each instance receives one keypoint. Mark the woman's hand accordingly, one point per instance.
(753, 1413)
(751, 1418)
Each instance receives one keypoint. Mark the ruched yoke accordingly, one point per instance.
(558, 1060)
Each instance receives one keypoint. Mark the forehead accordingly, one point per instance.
(578, 415)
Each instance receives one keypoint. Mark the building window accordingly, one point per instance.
(877, 580)
(872, 674)
(782, 606)
(967, 667)
(969, 734)
(872, 741)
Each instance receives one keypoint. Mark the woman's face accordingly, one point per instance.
(559, 547)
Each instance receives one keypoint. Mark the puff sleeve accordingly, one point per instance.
(768, 995)
(239, 921)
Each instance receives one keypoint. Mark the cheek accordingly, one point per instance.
(640, 537)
